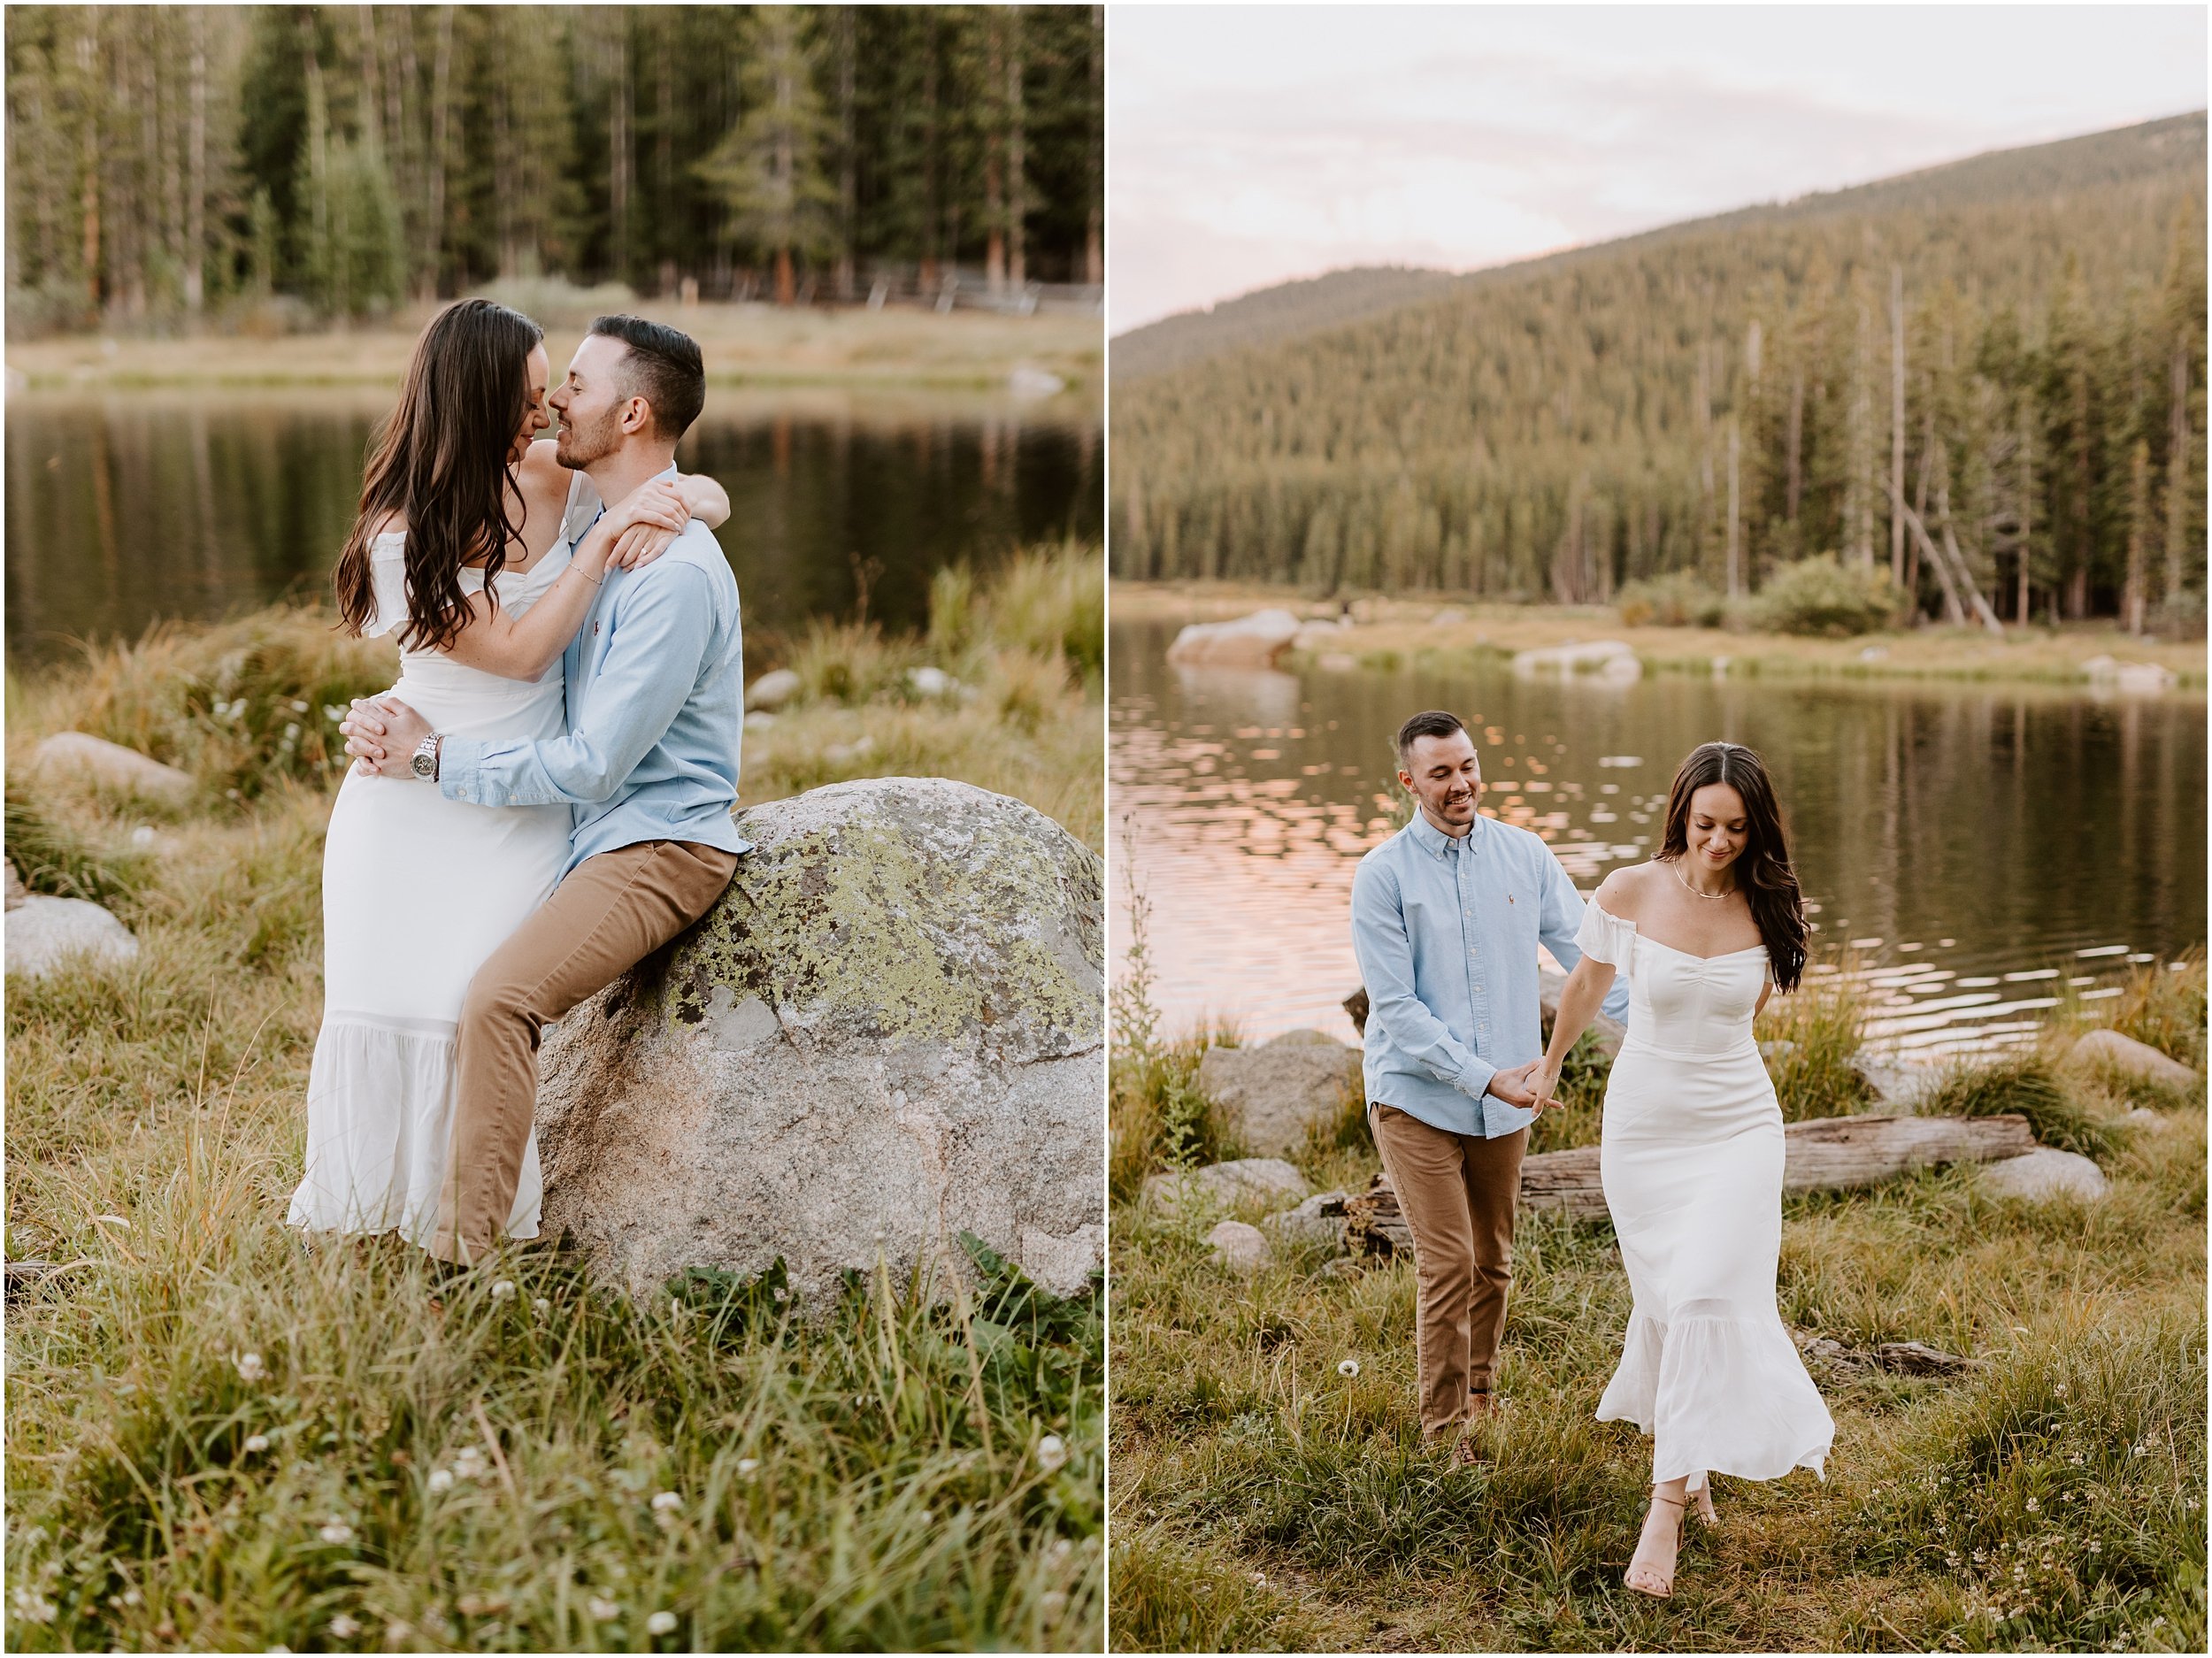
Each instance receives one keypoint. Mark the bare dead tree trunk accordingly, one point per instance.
(1735, 572)
(1953, 610)
(1016, 155)
(440, 140)
(848, 147)
(2027, 510)
(88, 207)
(994, 158)
(1793, 488)
(1094, 240)
(195, 192)
(2131, 597)
(930, 204)
(1897, 419)
(2178, 470)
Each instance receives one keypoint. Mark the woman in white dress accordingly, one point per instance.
(458, 547)
(1691, 1152)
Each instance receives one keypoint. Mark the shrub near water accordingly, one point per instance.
(218, 1441)
(1821, 596)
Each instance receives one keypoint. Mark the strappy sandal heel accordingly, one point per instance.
(1655, 1586)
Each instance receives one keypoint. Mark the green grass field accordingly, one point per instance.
(216, 1441)
(1270, 1490)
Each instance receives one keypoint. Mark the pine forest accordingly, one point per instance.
(1986, 380)
(165, 164)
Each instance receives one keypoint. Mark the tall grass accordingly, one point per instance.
(1270, 1489)
(219, 1440)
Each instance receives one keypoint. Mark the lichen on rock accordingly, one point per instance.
(889, 1030)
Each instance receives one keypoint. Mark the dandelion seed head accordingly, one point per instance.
(250, 1368)
(1347, 1367)
(666, 1502)
(1052, 1453)
(503, 1290)
(661, 1624)
(441, 1479)
(257, 1443)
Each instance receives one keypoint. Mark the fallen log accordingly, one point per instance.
(1905, 1358)
(1825, 1153)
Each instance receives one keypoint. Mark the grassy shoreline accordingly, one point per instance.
(1266, 1496)
(744, 345)
(218, 1440)
(1403, 631)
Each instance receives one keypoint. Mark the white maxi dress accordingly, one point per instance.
(1691, 1158)
(418, 890)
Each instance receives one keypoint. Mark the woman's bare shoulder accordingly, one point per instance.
(1622, 891)
(392, 523)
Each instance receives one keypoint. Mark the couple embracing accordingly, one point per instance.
(544, 797)
(1447, 915)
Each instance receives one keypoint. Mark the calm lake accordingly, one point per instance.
(124, 510)
(1978, 846)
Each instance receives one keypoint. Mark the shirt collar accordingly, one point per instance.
(1436, 843)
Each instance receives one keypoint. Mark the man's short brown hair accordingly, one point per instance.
(1433, 723)
(664, 367)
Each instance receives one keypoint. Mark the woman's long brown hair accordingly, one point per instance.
(442, 463)
(1764, 872)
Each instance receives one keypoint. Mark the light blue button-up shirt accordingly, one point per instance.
(655, 683)
(1445, 931)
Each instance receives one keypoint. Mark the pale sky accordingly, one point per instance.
(1249, 145)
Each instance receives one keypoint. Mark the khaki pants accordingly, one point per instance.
(608, 914)
(1457, 1193)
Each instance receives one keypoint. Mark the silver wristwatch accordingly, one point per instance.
(424, 764)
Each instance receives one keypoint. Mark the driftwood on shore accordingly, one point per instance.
(1824, 1154)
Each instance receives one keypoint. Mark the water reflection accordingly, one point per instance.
(124, 510)
(1978, 846)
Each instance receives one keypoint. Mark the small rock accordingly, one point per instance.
(1240, 1248)
(110, 765)
(928, 681)
(1250, 642)
(2136, 1059)
(2142, 1117)
(1276, 1089)
(2129, 676)
(1233, 1182)
(772, 690)
(1318, 1220)
(1026, 381)
(44, 932)
(1899, 1084)
(2046, 1172)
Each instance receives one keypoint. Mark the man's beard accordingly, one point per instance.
(580, 445)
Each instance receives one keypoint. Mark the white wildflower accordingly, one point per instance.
(2095, 1547)
(1052, 1602)
(541, 1307)
(503, 1290)
(602, 1610)
(666, 1502)
(343, 1628)
(33, 1607)
(1052, 1453)
(747, 1466)
(131, 1597)
(2059, 1388)
(1347, 1367)
(469, 1463)
(2033, 1505)
(337, 1532)
(250, 1368)
(441, 1479)
(661, 1624)
(297, 706)
(257, 1443)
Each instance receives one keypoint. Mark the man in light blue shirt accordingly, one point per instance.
(1447, 915)
(648, 767)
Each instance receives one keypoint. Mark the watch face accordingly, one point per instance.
(422, 764)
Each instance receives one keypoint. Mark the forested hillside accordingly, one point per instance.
(1281, 312)
(2012, 347)
(163, 161)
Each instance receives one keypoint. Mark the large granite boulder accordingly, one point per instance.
(2124, 1053)
(45, 934)
(888, 1031)
(1276, 1089)
(110, 765)
(1268, 1180)
(1249, 642)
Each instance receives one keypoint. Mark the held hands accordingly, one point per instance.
(1530, 1087)
(382, 734)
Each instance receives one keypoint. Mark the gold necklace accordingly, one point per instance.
(1692, 891)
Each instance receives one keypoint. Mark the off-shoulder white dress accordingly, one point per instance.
(418, 890)
(1692, 1163)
